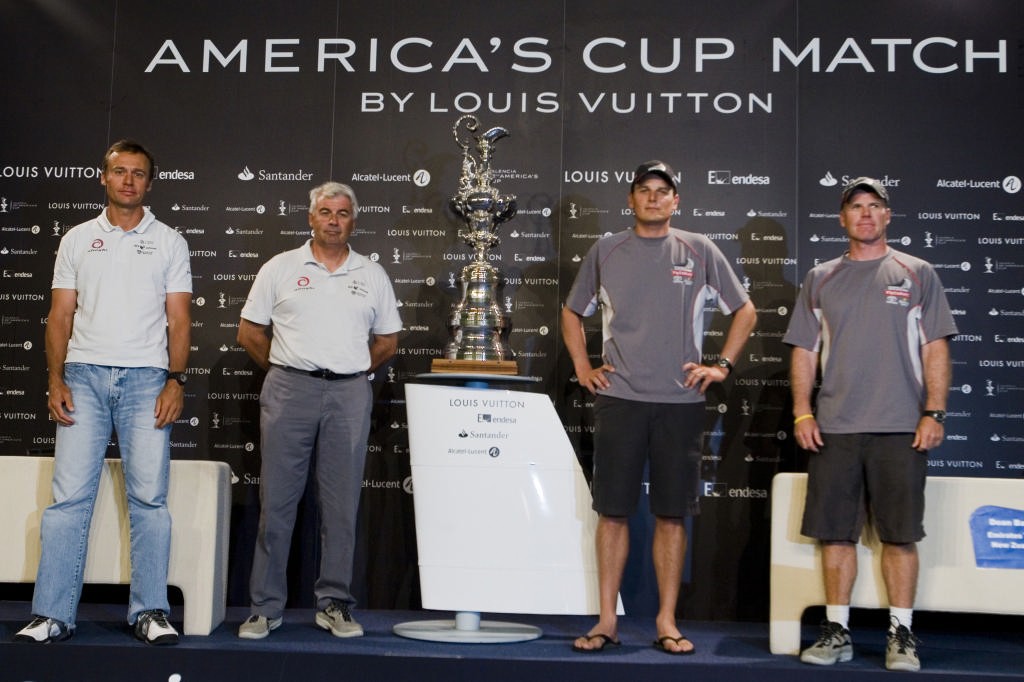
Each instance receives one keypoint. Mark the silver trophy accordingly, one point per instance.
(479, 325)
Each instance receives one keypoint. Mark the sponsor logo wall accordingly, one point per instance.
(765, 112)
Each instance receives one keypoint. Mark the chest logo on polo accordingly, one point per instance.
(358, 288)
(303, 284)
(683, 273)
(145, 247)
(899, 294)
(97, 246)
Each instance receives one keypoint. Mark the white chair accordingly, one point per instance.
(199, 499)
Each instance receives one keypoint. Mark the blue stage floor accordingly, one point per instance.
(103, 650)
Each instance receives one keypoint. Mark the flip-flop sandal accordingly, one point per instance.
(606, 641)
(659, 644)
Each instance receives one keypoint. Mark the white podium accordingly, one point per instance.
(503, 516)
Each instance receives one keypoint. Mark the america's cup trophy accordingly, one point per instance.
(478, 325)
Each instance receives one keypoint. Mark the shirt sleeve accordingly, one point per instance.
(583, 295)
(179, 270)
(259, 304)
(804, 329)
(387, 320)
(936, 317)
(721, 276)
(64, 270)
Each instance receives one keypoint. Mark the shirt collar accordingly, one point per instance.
(354, 260)
(147, 220)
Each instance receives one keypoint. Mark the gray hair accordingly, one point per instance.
(332, 189)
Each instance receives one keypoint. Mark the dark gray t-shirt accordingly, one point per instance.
(868, 320)
(653, 294)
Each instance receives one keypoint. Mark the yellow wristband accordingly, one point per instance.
(801, 418)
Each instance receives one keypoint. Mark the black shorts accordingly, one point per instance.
(629, 434)
(860, 474)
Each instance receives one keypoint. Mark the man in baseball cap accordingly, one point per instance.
(880, 317)
(649, 388)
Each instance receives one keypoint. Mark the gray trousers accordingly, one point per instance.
(300, 415)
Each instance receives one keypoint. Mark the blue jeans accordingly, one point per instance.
(106, 398)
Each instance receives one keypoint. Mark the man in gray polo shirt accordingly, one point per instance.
(877, 322)
(651, 283)
(317, 318)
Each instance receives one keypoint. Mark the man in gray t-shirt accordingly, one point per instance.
(651, 283)
(877, 323)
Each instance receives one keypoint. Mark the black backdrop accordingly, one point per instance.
(764, 108)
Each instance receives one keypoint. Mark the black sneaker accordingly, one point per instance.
(834, 644)
(44, 631)
(152, 628)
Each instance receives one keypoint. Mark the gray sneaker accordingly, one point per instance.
(338, 619)
(901, 650)
(44, 631)
(834, 644)
(258, 627)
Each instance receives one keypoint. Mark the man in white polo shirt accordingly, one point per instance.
(117, 344)
(318, 318)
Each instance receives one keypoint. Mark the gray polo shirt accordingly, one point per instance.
(652, 294)
(868, 321)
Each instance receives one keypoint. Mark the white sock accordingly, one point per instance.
(898, 616)
(838, 613)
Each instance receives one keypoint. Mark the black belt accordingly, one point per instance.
(321, 373)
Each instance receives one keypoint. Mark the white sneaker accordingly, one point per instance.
(258, 627)
(152, 628)
(43, 631)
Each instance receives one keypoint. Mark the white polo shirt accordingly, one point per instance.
(122, 280)
(322, 319)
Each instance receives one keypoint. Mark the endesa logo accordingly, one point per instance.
(727, 177)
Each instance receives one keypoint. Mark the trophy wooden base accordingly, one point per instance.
(508, 367)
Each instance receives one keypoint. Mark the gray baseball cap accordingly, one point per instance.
(864, 184)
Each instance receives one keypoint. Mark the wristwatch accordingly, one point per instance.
(937, 415)
(180, 377)
(725, 364)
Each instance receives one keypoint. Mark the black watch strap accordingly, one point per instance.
(937, 415)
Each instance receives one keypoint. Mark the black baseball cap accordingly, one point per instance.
(864, 184)
(655, 167)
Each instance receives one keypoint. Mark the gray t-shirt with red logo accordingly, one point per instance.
(653, 295)
(868, 321)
